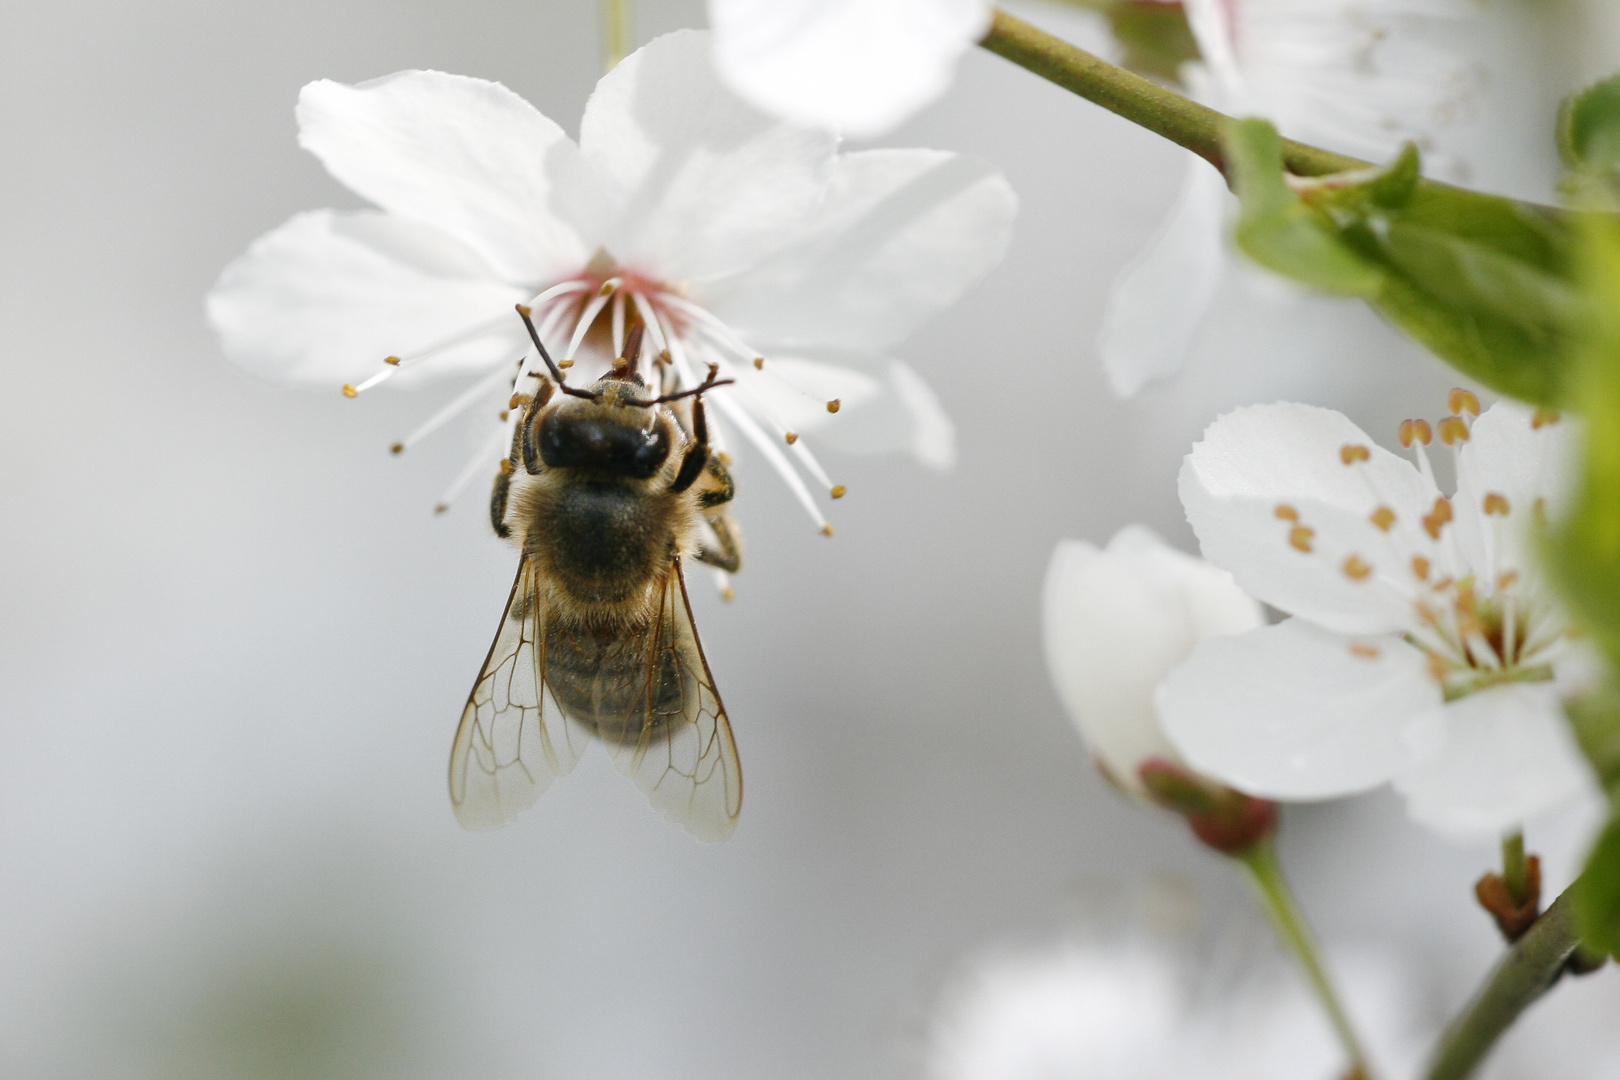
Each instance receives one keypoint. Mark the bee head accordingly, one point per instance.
(603, 435)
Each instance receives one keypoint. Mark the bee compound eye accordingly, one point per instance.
(599, 443)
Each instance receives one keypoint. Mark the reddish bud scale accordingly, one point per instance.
(1225, 820)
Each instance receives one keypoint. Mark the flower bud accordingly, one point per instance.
(1117, 621)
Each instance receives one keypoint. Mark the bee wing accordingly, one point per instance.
(678, 746)
(513, 739)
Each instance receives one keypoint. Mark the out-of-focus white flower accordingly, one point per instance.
(1137, 1009)
(1360, 77)
(858, 67)
(737, 240)
(1426, 647)
(1116, 622)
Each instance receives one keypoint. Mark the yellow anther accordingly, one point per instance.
(1416, 431)
(791, 437)
(1461, 401)
(1421, 567)
(1496, 504)
(1507, 580)
(441, 508)
(1299, 538)
(392, 360)
(1438, 518)
(349, 390)
(507, 468)
(1383, 518)
(607, 288)
(1357, 569)
(759, 363)
(397, 448)
(826, 530)
(1453, 430)
(839, 491)
(834, 405)
(1543, 417)
(1285, 512)
(1365, 651)
(525, 310)
(1350, 453)
(1437, 668)
(504, 414)
(727, 595)
(663, 357)
(565, 364)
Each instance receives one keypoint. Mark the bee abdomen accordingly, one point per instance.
(610, 683)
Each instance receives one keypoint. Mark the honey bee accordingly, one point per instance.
(607, 491)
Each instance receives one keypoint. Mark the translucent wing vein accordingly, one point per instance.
(513, 739)
(676, 744)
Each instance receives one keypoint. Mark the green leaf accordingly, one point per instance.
(1278, 230)
(1595, 719)
(1589, 126)
(1584, 548)
(1484, 282)
(1155, 36)
(1597, 895)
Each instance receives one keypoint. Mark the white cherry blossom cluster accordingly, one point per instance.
(1425, 647)
(739, 241)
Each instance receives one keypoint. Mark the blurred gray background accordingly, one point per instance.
(235, 641)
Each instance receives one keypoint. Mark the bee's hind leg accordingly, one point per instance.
(729, 555)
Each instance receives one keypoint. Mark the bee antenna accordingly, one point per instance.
(709, 383)
(632, 349)
(526, 313)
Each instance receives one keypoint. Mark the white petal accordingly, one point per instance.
(883, 405)
(322, 300)
(901, 235)
(1508, 455)
(1116, 622)
(1158, 302)
(1212, 26)
(1507, 755)
(700, 183)
(1256, 459)
(1290, 712)
(465, 155)
(855, 66)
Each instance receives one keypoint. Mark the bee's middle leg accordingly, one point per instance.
(502, 490)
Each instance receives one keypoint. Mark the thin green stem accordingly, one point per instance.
(1515, 870)
(1280, 905)
(1141, 101)
(616, 35)
(1528, 970)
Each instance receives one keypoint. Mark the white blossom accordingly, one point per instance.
(739, 241)
(1116, 622)
(1138, 1008)
(1360, 77)
(858, 67)
(1426, 648)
